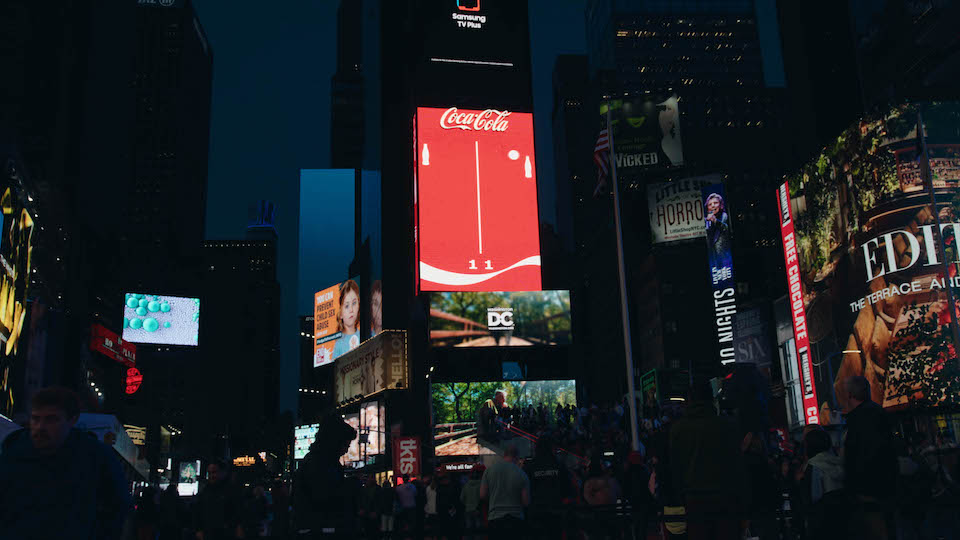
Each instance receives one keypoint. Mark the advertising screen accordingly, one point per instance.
(470, 418)
(161, 320)
(500, 319)
(371, 435)
(476, 201)
(676, 208)
(868, 277)
(378, 364)
(336, 320)
(303, 437)
(718, 226)
(646, 134)
(17, 240)
(189, 478)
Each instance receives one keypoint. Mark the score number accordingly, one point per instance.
(473, 264)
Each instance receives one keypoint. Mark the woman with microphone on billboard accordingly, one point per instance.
(348, 319)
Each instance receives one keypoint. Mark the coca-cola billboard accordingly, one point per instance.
(476, 205)
(406, 456)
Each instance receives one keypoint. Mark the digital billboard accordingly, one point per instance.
(303, 437)
(676, 208)
(500, 319)
(867, 275)
(189, 478)
(476, 201)
(719, 233)
(646, 134)
(471, 417)
(371, 435)
(378, 364)
(161, 320)
(336, 321)
(17, 227)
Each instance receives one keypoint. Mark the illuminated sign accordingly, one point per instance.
(378, 364)
(719, 234)
(500, 319)
(161, 320)
(406, 456)
(336, 322)
(133, 380)
(676, 208)
(137, 434)
(112, 346)
(303, 438)
(244, 461)
(795, 288)
(476, 201)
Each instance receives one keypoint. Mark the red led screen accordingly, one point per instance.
(478, 227)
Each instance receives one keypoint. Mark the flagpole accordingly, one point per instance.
(624, 306)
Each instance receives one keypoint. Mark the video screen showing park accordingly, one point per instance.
(500, 319)
(476, 418)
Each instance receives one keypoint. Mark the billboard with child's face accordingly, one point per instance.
(869, 276)
(336, 320)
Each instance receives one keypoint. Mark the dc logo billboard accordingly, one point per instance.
(499, 319)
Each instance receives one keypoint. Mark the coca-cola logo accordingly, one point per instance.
(487, 120)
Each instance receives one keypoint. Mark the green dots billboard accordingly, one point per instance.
(161, 320)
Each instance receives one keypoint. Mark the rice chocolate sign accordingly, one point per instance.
(378, 364)
(795, 288)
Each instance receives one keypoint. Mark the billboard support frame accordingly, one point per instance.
(624, 306)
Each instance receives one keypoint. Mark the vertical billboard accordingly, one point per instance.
(336, 321)
(16, 258)
(811, 409)
(476, 195)
(406, 456)
(303, 437)
(719, 233)
(868, 277)
(676, 208)
(500, 319)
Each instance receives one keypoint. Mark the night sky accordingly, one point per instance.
(272, 65)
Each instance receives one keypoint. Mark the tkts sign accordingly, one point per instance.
(406, 456)
(795, 291)
(476, 201)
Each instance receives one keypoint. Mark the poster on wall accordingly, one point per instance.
(676, 208)
(868, 276)
(478, 226)
(500, 319)
(336, 321)
(719, 235)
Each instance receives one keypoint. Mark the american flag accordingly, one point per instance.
(601, 156)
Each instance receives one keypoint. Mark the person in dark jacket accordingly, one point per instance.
(324, 500)
(219, 507)
(549, 490)
(824, 499)
(708, 468)
(870, 459)
(57, 482)
(171, 514)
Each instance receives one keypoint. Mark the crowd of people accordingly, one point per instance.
(697, 475)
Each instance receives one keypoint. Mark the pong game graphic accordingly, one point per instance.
(478, 226)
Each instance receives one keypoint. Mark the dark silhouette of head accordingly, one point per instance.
(53, 413)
